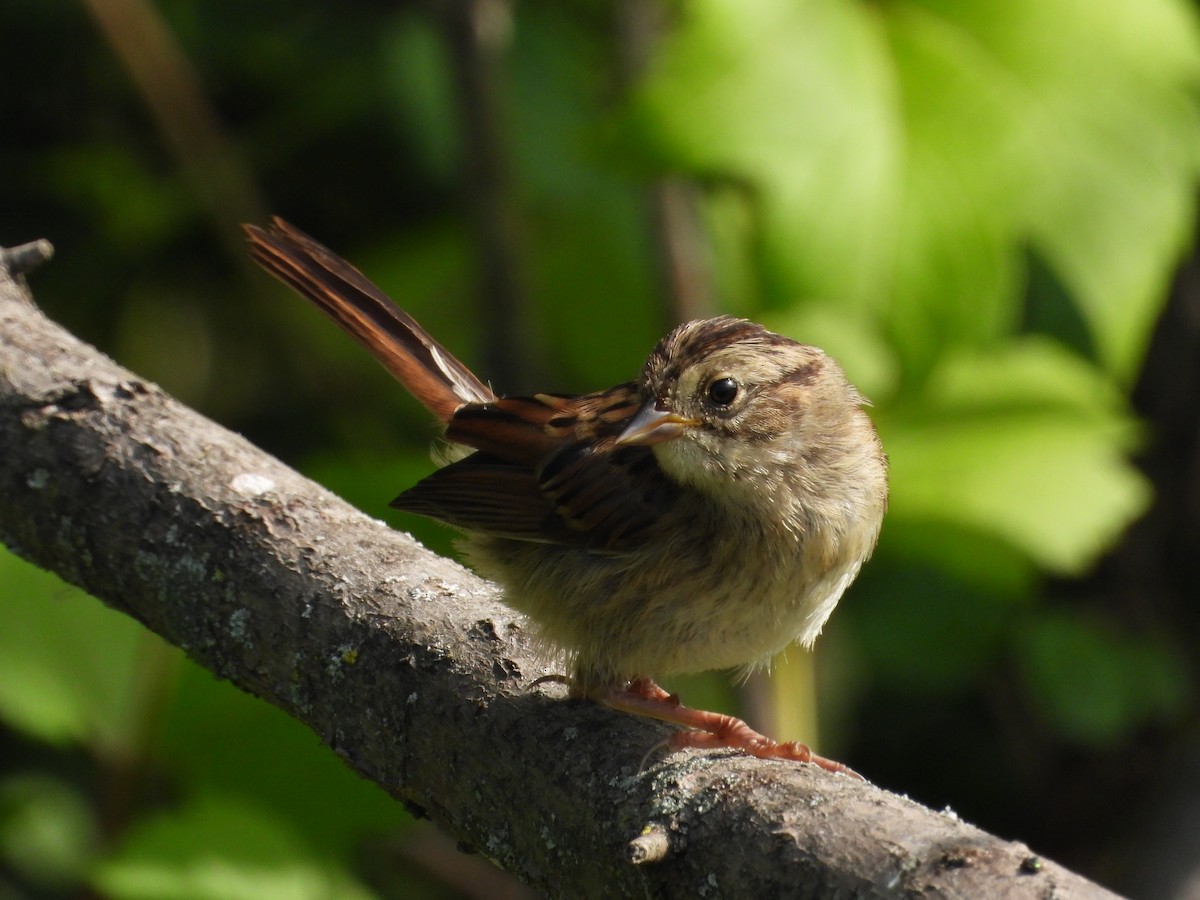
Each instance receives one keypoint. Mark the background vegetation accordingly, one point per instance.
(978, 206)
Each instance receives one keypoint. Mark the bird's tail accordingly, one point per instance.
(425, 367)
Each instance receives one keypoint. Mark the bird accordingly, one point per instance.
(704, 515)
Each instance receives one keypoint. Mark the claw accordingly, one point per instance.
(554, 678)
(763, 747)
(647, 689)
(709, 730)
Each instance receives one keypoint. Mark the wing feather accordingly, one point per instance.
(547, 468)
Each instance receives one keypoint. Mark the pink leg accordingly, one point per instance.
(646, 689)
(708, 729)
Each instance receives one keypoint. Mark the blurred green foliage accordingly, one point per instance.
(976, 205)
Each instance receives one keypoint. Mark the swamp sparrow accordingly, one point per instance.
(703, 516)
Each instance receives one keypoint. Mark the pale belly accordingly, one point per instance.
(683, 609)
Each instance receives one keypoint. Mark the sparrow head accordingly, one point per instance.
(731, 408)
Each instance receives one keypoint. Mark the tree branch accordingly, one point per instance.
(407, 666)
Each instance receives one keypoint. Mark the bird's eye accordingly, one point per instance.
(722, 391)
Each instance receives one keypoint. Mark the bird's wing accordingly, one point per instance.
(548, 469)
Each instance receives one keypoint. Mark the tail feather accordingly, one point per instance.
(408, 351)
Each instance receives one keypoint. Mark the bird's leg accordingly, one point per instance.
(644, 688)
(647, 689)
(708, 729)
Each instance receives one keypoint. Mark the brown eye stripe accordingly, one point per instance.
(806, 374)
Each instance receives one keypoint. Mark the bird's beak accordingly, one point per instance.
(652, 425)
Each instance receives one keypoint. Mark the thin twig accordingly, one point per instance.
(26, 257)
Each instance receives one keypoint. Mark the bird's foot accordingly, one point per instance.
(554, 678)
(647, 689)
(641, 688)
(709, 729)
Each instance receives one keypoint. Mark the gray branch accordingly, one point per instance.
(408, 667)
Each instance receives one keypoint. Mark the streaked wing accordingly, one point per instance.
(546, 467)
(530, 429)
(606, 497)
(548, 470)
(483, 493)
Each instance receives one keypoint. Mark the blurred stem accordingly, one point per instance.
(126, 765)
(435, 853)
(173, 92)
(478, 34)
(682, 252)
(783, 703)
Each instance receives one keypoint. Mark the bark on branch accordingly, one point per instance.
(408, 668)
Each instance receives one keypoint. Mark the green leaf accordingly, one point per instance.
(48, 832)
(221, 741)
(956, 270)
(1095, 682)
(68, 664)
(928, 629)
(796, 98)
(419, 80)
(131, 205)
(861, 351)
(1028, 444)
(588, 273)
(904, 155)
(1104, 133)
(220, 848)
(978, 558)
